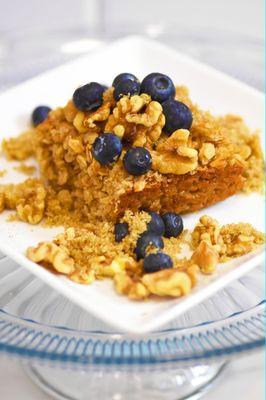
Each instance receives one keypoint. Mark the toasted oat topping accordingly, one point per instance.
(76, 191)
(62, 146)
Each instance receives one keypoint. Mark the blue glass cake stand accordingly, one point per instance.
(71, 355)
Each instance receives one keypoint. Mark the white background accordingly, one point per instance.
(236, 16)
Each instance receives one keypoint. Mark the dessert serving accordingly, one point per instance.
(118, 168)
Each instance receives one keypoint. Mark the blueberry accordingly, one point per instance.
(125, 88)
(157, 262)
(106, 148)
(88, 97)
(156, 224)
(121, 231)
(159, 86)
(40, 114)
(173, 224)
(147, 239)
(137, 161)
(125, 76)
(177, 116)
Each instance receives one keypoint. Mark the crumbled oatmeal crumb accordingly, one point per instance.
(2, 173)
(96, 255)
(228, 241)
(27, 198)
(26, 169)
(21, 147)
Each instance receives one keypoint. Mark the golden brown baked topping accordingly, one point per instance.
(191, 169)
(217, 150)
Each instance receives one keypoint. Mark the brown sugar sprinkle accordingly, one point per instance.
(26, 169)
(191, 169)
(2, 173)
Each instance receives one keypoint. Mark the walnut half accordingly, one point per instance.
(175, 155)
(53, 255)
(169, 282)
(134, 289)
(206, 257)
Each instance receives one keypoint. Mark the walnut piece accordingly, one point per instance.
(100, 115)
(84, 277)
(78, 122)
(232, 240)
(175, 155)
(206, 153)
(206, 257)
(137, 119)
(239, 239)
(119, 264)
(208, 230)
(168, 282)
(135, 290)
(53, 255)
(149, 118)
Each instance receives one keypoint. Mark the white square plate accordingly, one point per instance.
(212, 90)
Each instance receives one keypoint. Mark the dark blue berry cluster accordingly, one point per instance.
(107, 147)
(168, 225)
(161, 88)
